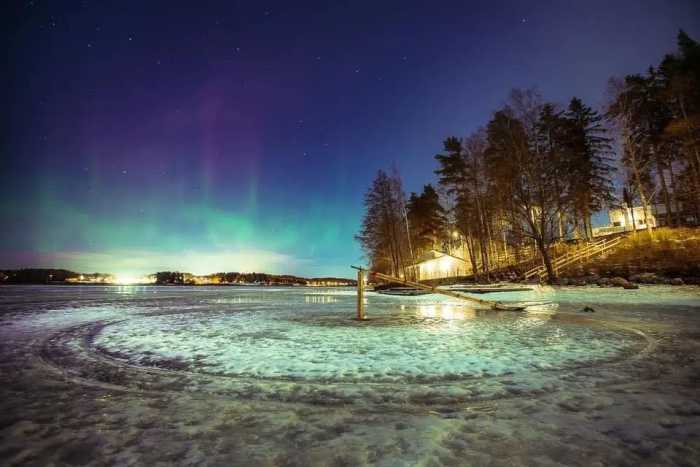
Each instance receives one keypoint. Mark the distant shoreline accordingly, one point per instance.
(112, 284)
(53, 276)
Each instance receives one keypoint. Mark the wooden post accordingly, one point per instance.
(360, 294)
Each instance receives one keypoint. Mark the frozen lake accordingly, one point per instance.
(285, 376)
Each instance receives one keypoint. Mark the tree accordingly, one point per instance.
(427, 221)
(680, 76)
(590, 163)
(462, 172)
(628, 200)
(658, 115)
(383, 234)
(527, 165)
(630, 109)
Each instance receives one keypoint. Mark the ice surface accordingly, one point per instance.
(288, 335)
(285, 376)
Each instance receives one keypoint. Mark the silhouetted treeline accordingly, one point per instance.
(259, 278)
(36, 276)
(183, 278)
(53, 276)
(171, 277)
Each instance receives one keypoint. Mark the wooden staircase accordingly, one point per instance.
(507, 260)
(591, 249)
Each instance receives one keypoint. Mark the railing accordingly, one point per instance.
(507, 259)
(592, 249)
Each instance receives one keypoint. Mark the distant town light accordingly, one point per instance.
(125, 280)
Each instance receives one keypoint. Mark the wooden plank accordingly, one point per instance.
(489, 303)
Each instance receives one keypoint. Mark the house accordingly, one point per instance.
(621, 221)
(437, 265)
(623, 217)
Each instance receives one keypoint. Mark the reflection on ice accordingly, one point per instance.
(322, 299)
(445, 311)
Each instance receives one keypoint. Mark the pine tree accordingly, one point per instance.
(383, 236)
(590, 163)
(462, 172)
(427, 221)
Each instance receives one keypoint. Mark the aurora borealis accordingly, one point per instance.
(144, 136)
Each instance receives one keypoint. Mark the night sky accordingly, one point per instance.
(212, 136)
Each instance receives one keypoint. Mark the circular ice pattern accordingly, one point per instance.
(415, 344)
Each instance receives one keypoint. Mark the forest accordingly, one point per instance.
(537, 172)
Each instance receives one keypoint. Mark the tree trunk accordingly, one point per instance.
(634, 222)
(695, 162)
(674, 190)
(472, 256)
(627, 218)
(587, 224)
(575, 222)
(695, 168)
(664, 188)
(544, 252)
(640, 190)
(560, 220)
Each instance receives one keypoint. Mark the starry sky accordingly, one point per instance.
(241, 136)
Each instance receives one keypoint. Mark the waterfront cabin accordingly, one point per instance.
(438, 265)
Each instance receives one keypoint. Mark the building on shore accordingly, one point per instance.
(95, 278)
(330, 282)
(437, 265)
(626, 219)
